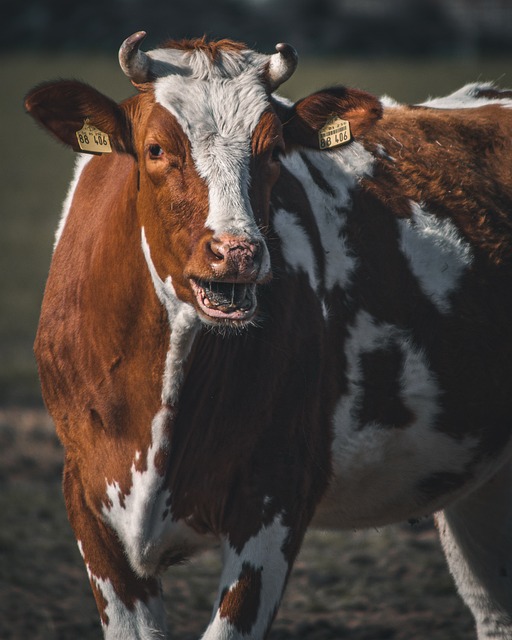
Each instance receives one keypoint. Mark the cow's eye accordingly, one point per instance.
(155, 151)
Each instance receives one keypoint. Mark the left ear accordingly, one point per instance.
(303, 120)
(63, 106)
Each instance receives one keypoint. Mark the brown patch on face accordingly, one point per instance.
(172, 200)
(240, 604)
(382, 403)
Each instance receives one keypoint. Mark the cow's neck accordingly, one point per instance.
(184, 325)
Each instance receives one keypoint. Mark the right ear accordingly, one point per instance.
(63, 106)
(303, 120)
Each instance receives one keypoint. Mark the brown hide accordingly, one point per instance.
(103, 334)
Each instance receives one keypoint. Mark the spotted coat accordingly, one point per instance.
(243, 335)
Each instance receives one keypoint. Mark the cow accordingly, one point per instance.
(264, 315)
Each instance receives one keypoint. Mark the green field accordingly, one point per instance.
(35, 170)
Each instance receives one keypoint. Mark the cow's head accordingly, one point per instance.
(207, 136)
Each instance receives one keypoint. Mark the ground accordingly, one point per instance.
(372, 585)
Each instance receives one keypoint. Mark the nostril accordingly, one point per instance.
(240, 255)
(216, 249)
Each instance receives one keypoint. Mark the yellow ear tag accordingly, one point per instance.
(334, 133)
(92, 140)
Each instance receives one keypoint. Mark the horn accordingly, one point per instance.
(282, 65)
(135, 63)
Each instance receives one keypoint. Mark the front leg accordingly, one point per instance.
(252, 583)
(130, 605)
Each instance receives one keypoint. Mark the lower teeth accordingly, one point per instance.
(229, 306)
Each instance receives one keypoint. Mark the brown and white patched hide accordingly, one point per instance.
(243, 334)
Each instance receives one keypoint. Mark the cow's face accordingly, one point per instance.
(206, 134)
(208, 145)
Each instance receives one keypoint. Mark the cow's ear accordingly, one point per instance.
(303, 120)
(64, 106)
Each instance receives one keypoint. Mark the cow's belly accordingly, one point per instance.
(383, 476)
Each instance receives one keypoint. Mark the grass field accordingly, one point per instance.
(35, 170)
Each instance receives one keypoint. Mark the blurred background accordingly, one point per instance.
(408, 49)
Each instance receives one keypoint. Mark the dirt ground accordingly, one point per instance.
(371, 585)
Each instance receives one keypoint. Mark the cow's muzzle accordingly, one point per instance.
(237, 259)
(236, 265)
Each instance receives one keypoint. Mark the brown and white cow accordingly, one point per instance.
(244, 334)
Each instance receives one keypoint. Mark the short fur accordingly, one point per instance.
(373, 382)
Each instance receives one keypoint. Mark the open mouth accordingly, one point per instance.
(225, 300)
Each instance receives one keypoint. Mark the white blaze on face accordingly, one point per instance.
(218, 106)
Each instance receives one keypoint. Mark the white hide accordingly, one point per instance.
(142, 518)
(476, 534)
(466, 98)
(263, 551)
(81, 161)
(296, 245)
(436, 252)
(218, 107)
(379, 464)
(137, 517)
(143, 621)
(341, 170)
(184, 327)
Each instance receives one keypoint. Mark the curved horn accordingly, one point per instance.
(134, 63)
(282, 65)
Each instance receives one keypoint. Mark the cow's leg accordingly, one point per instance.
(130, 605)
(252, 584)
(476, 534)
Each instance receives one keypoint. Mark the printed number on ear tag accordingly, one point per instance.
(92, 140)
(334, 133)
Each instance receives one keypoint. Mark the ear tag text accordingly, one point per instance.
(92, 140)
(334, 133)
